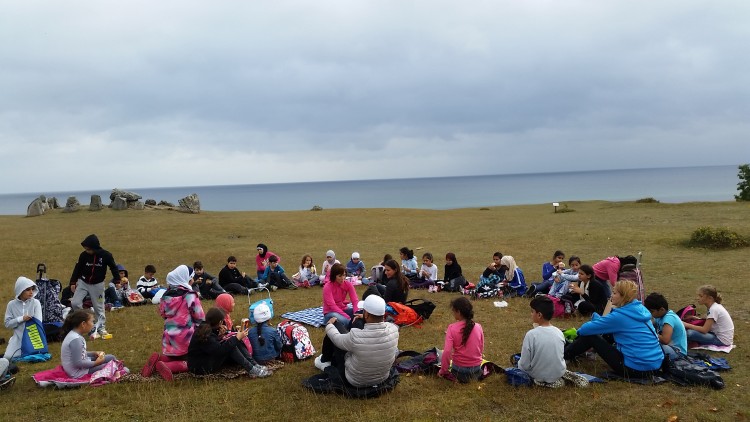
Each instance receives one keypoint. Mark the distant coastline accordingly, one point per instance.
(679, 184)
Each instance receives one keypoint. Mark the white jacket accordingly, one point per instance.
(14, 316)
(371, 351)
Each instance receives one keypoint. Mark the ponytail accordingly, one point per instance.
(709, 290)
(261, 340)
(464, 307)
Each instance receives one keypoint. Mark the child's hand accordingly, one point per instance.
(99, 358)
(241, 334)
(26, 317)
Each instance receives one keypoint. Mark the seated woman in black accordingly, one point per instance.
(589, 295)
(397, 286)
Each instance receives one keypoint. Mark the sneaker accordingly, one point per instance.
(306, 284)
(102, 332)
(163, 370)
(95, 336)
(274, 288)
(260, 371)
(291, 286)
(7, 382)
(117, 305)
(320, 364)
(148, 369)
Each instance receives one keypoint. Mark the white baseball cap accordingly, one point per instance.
(355, 255)
(375, 305)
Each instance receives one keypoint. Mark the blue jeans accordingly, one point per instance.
(344, 319)
(708, 338)
(465, 374)
(670, 351)
(542, 286)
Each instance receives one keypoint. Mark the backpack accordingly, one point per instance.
(296, 341)
(690, 311)
(636, 276)
(683, 372)
(427, 362)
(403, 315)
(422, 307)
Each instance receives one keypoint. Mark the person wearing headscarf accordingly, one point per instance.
(513, 275)
(261, 260)
(327, 264)
(182, 312)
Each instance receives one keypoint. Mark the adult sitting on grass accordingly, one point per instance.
(397, 287)
(233, 280)
(363, 357)
(636, 352)
(335, 292)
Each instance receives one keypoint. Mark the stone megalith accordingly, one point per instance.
(151, 202)
(128, 196)
(96, 203)
(190, 204)
(72, 205)
(137, 205)
(119, 204)
(53, 203)
(35, 208)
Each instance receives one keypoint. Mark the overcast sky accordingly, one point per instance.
(102, 94)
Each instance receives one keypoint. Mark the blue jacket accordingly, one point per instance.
(269, 351)
(634, 334)
(547, 270)
(279, 270)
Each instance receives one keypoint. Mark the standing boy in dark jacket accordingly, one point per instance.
(89, 273)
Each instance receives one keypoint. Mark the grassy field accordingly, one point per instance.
(530, 233)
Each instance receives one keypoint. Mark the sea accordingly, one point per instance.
(672, 185)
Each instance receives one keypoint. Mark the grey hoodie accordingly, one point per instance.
(14, 315)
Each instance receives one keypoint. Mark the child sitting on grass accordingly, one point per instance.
(718, 329)
(265, 340)
(307, 275)
(427, 275)
(275, 276)
(76, 361)
(22, 308)
(563, 277)
(543, 346)
(464, 344)
(209, 349)
(148, 285)
(672, 335)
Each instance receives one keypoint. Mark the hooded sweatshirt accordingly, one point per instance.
(633, 332)
(14, 315)
(92, 268)
(182, 312)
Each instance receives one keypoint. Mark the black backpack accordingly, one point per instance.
(422, 307)
(683, 372)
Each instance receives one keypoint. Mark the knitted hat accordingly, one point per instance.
(375, 305)
(261, 313)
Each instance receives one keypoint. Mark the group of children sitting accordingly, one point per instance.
(201, 343)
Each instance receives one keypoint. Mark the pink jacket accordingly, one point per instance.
(466, 355)
(334, 297)
(259, 260)
(182, 313)
(608, 269)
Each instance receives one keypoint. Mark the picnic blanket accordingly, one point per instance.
(113, 371)
(309, 316)
(714, 348)
(227, 372)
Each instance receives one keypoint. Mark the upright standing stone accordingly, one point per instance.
(72, 205)
(137, 205)
(190, 204)
(96, 203)
(119, 204)
(53, 203)
(35, 208)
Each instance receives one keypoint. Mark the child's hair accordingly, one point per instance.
(560, 254)
(543, 304)
(428, 256)
(304, 259)
(214, 317)
(451, 257)
(627, 260)
(573, 259)
(387, 257)
(711, 291)
(197, 265)
(588, 270)
(408, 252)
(149, 269)
(403, 282)
(627, 289)
(231, 259)
(655, 301)
(464, 307)
(75, 318)
(261, 340)
(498, 254)
(273, 258)
(336, 269)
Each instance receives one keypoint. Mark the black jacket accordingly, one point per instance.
(227, 276)
(92, 268)
(207, 357)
